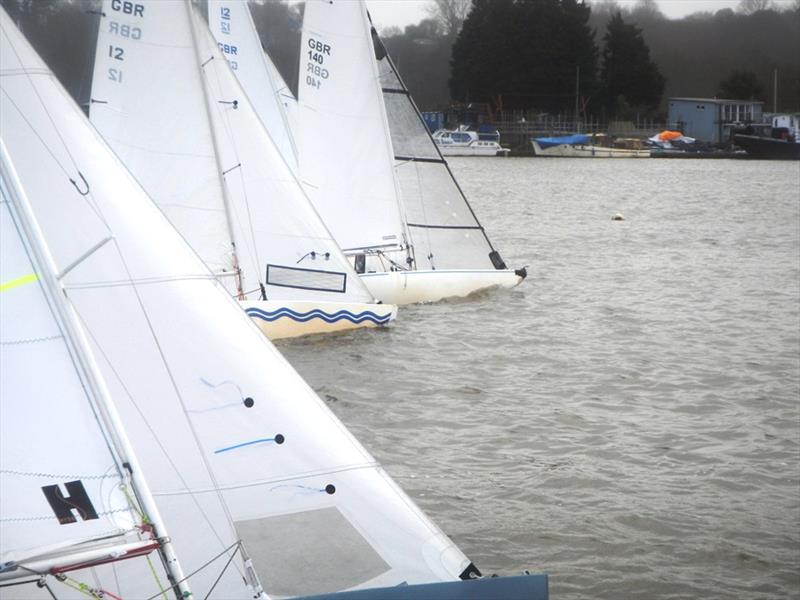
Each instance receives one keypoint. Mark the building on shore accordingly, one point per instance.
(713, 120)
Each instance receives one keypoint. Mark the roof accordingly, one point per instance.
(717, 100)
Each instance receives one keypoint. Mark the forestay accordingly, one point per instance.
(443, 229)
(242, 192)
(232, 25)
(241, 455)
(345, 155)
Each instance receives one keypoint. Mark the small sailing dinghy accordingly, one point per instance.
(171, 451)
(168, 104)
(375, 175)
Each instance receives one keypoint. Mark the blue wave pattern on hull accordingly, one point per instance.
(339, 315)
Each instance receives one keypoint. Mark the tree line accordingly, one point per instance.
(516, 54)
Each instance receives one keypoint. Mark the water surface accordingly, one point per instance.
(628, 419)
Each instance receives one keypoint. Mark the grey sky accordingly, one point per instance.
(386, 13)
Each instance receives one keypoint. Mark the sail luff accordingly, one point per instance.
(226, 201)
(265, 65)
(387, 135)
(447, 166)
(77, 340)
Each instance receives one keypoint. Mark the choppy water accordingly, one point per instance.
(627, 420)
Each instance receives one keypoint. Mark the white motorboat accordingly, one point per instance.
(465, 142)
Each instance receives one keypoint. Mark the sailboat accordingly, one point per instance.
(375, 175)
(170, 107)
(170, 450)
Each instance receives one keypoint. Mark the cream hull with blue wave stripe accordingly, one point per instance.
(287, 319)
(411, 287)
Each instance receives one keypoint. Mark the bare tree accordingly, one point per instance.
(749, 7)
(449, 14)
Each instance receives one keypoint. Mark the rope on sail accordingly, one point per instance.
(158, 580)
(235, 547)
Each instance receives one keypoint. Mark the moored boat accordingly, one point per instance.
(582, 146)
(782, 143)
(465, 142)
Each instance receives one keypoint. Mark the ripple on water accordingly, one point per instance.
(628, 419)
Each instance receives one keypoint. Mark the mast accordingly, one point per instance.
(577, 98)
(220, 171)
(68, 319)
(775, 90)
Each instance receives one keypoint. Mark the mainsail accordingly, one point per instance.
(170, 106)
(258, 481)
(232, 25)
(443, 228)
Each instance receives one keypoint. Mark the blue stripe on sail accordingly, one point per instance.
(242, 445)
(340, 315)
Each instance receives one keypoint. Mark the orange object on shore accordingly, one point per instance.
(668, 136)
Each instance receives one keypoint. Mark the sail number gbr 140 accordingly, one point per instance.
(315, 71)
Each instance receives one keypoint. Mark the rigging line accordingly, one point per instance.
(52, 155)
(203, 566)
(158, 580)
(44, 106)
(429, 254)
(221, 573)
(141, 413)
(438, 151)
(78, 586)
(224, 117)
(36, 133)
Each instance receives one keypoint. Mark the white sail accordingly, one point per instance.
(157, 123)
(46, 406)
(285, 96)
(232, 25)
(172, 66)
(242, 457)
(443, 229)
(345, 154)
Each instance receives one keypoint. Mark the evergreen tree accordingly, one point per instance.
(525, 52)
(741, 84)
(628, 76)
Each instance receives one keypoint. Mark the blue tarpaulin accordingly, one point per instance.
(547, 142)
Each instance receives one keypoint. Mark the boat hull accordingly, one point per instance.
(472, 151)
(521, 587)
(581, 151)
(768, 148)
(281, 319)
(411, 287)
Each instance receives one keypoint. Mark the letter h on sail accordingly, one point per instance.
(77, 499)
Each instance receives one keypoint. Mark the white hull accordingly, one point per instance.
(581, 151)
(280, 319)
(472, 151)
(410, 287)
